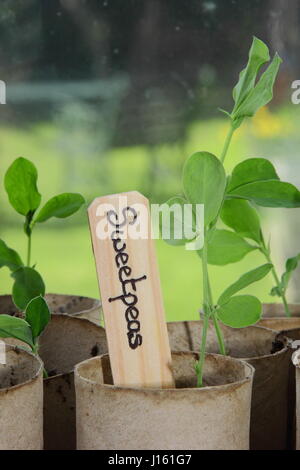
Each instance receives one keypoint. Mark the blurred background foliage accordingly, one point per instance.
(109, 96)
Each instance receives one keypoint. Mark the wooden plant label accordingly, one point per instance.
(129, 282)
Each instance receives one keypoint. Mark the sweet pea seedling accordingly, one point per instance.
(29, 329)
(253, 181)
(21, 186)
(205, 182)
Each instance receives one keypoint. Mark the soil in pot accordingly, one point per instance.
(73, 305)
(216, 416)
(21, 401)
(267, 352)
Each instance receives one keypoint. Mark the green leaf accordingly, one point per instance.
(14, 327)
(21, 186)
(240, 311)
(9, 257)
(271, 193)
(255, 179)
(37, 314)
(242, 218)
(227, 247)
(292, 263)
(244, 281)
(251, 170)
(204, 182)
(60, 206)
(290, 266)
(261, 94)
(275, 292)
(172, 223)
(28, 284)
(258, 55)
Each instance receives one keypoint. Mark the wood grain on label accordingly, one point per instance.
(130, 291)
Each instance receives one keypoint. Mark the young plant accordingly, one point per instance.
(21, 186)
(253, 181)
(29, 329)
(205, 182)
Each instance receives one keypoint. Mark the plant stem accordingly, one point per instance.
(202, 352)
(282, 294)
(208, 300)
(219, 335)
(206, 310)
(266, 253)
(227, 143)
(216, 322)
(28, 249)
(35, 350)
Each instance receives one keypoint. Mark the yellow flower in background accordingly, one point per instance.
(266, 125)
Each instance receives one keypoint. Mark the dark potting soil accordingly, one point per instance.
(277, 346)
(52, 373)
(95, 350)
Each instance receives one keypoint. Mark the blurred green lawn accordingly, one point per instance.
(64, 258)
(62, 249)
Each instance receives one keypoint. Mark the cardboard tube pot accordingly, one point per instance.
(275, 318)
(76, 306)
(118, 418)
(65, 342)
(73, 305)
(296, 364)
(267, 352)
(271, 310)
(21, 401)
